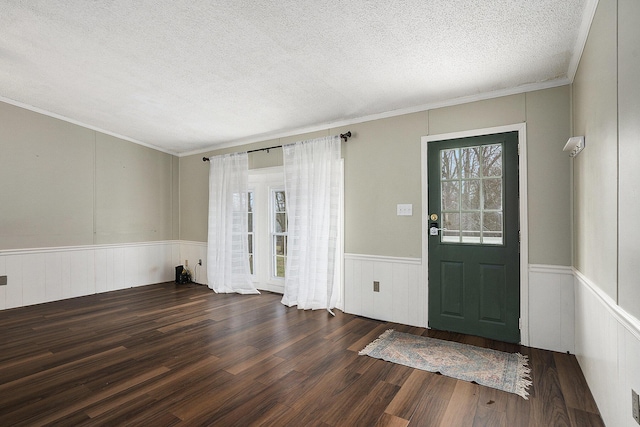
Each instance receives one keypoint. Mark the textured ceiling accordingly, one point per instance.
(185, 76)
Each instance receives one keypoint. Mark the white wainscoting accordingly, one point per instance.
(608, 350)
(192, 252)
(402, 297)
(551, 308)
(36, 276)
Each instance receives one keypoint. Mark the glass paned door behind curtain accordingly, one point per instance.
(270, 232)
(250, 231)
(279, 233)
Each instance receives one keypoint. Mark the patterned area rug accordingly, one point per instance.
(503, 371)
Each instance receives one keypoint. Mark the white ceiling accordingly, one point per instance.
(190, 75)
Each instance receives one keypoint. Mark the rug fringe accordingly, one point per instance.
(365, 351)
(524, 376)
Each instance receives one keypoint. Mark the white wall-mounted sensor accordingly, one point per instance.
(574, 145)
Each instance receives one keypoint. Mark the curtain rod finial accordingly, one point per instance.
(205, 159)
(345, 136)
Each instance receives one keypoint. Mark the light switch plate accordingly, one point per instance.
(3, 280)
(405, 209)
(635, 406)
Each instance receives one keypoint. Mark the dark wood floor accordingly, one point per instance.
(163, 355)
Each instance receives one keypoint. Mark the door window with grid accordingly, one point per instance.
(471, 195)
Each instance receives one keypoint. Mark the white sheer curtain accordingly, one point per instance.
(312, 179)
(227, 246)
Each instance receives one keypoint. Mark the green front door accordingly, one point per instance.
(474, 259)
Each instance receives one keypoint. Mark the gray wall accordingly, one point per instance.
(383, 168)
(596, 168)
(547, 114)
(65, 185)
(606, 99)
(68, 185)
(629, 155)
(606, 110)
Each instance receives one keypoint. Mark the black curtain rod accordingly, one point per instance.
(344, 136)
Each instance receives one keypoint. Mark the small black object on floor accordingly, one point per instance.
(182, 275)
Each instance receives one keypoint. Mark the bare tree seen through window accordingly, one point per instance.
(250, 229)
(280, 233)
(471, 194)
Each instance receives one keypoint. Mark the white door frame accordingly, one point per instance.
(262, 182)
(521, 128)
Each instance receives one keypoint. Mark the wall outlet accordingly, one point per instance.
(186, 263)
(635, 406)
(376, 286)
(3, 280)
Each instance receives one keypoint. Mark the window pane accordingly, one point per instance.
(471, 194)
(492, 160)
(279, 201)
(251, 252)
(280, 266)
(280, 245)
(470, 160)
(449, 164)
(250, 228)
(281, 223)
(492, 193)
(451, 222)
(470, 224)
(450, 196)
(492, 228)
(279, 228)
